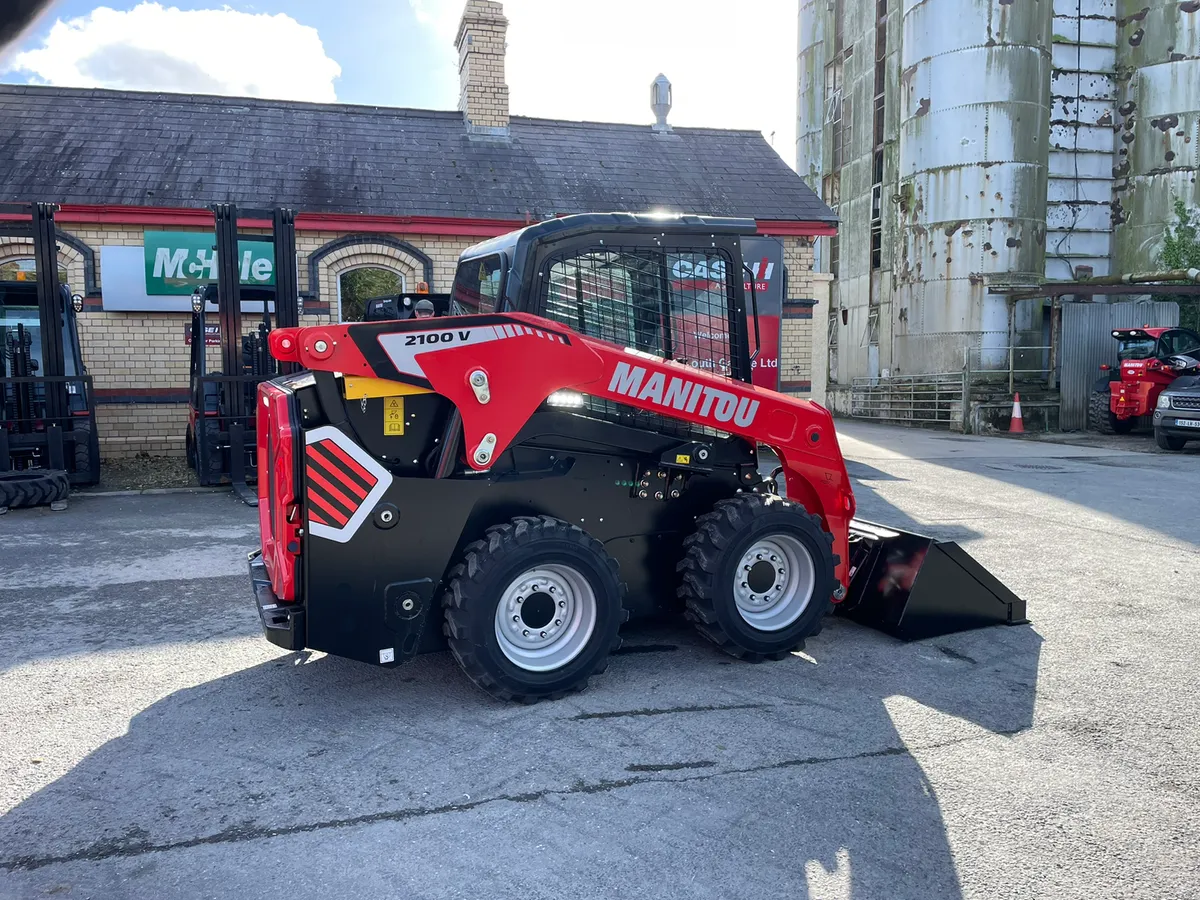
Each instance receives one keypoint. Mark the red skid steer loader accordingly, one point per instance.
(575, 443)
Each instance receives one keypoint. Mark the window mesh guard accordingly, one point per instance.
(672, 303)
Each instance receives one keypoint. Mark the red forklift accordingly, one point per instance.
(48, 438)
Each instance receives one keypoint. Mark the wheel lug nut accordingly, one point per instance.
(543, 634)
(525, 632)
(558, 621)
(760, 556)
(745, 568)
(516, 618)
(562, 604)
(744, 584)
(781, 572)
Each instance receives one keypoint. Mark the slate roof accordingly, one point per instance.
(70, 145)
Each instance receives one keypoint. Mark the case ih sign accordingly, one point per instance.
(179, 261)
(764, 256)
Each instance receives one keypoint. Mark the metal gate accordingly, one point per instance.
(1087, 342)
(935, 399)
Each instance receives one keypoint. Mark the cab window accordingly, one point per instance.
(1137, 348)
(1181, 342)
(477, 286)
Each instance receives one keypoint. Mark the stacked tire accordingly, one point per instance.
(32, 487)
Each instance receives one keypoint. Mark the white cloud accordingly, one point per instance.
(213, 51)
(730, 65)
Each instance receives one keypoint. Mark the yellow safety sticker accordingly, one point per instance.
(683, 459)
(393, 415)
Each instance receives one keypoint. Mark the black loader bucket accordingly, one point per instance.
(913, 587)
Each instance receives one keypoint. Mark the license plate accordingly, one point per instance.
(1188, 423)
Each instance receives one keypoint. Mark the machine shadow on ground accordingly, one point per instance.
(769, 767)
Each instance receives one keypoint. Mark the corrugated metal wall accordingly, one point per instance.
(1087, 343)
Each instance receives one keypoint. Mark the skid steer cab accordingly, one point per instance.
(573, 442)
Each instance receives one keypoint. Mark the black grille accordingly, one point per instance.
(1178, 402)
(673, 303)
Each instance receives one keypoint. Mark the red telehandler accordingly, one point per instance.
(514, 480)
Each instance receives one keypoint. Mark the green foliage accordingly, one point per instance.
(1181, 242)
(361, 285)
(1181, 250)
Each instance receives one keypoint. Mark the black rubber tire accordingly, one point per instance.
(189, 445)
(478, 582)
(83, 454)
(213, 450)
(33, 487)
(1100, 417)
(707, 574)
(1167, 442)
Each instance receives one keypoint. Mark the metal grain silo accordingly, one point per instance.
(1158, 129)
(811, 65)
(974, 99)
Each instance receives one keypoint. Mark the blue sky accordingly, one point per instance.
(732, 66)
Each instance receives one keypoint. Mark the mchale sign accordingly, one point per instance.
(179, 261)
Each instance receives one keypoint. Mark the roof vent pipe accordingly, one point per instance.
(660, 101)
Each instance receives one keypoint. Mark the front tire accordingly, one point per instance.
(533, 610)
(758, 576)
(1167, 442)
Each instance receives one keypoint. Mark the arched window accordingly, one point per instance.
(25, 269)
(358, 285)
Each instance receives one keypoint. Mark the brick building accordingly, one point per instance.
(397, 189)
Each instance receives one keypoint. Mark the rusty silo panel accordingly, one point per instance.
(974, 95)
(1158, 132)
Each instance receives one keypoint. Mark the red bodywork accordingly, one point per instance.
(1136, 392)
(278, 508)
(526, 358)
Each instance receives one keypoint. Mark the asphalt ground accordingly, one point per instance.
(153, 744)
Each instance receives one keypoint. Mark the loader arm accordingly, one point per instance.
(498, 369)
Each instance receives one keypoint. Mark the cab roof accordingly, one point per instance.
(629, 223)
(1134, 334)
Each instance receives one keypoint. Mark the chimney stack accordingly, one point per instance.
(482, 93)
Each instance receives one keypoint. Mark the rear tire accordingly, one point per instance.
(533, 610)
(1100, 416)
(33, 487)
(748, 613)
(1167, 442)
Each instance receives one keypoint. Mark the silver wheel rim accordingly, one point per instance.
(772, 600)
(530, 640)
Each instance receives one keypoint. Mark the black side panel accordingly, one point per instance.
(346, 584)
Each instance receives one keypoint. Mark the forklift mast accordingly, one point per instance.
(221, 428)
(50, 421)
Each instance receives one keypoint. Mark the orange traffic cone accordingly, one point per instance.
(1015, 425)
